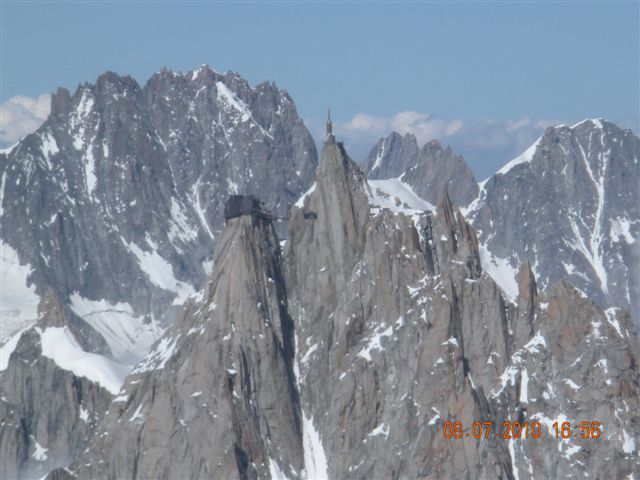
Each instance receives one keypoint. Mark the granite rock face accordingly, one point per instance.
(429, 171)
(344, 357)
(47, 412)
(118, 196)
(392, 156)
(403, 331)
(112, 208)
(569, 206)
(580, 366)
(216, 397)
(384, 345)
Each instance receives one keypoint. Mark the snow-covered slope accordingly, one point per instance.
(569, 205)
(397, 196)
(18, 298)
(9, 346)
(129, 336)
(59, 345)
(502, 272)
(57, 380)
(525, 157)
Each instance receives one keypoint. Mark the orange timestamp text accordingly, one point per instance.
(515, 430)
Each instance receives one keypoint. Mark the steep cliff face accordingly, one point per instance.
(581, 365)
(406, 331)
(345, 357)
(116, 203)
(429, 171)
(117, 199)
(216, 397)
(569, 206)
(392, 156)
(386, 344)
(56, 387)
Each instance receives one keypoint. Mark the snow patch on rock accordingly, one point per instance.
(501, 271)
(160, 272)
(315, 460)
(397, 196)
(8, 347)
(525, 157)
(18, 299)
(59, 344)
(129, 337)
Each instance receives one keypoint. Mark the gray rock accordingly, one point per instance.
(345, 358)
(569, 206)
(429, 171)
(581, 366)
(392, 156)
(527, 305)
(216, 398)
(118, 195)
(47, 413)
(399, 335)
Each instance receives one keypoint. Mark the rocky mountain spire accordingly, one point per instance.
(527, 305)
(473, 354)
(329, 133)
(456, 239)
(220, 385)
(337, 208)
(348, 361)
(358, 310)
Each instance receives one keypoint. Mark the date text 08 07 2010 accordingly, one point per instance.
(510, 430)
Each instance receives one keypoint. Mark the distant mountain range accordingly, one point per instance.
(568, 205)
(429, 170)
(149, 337)
(115, 202)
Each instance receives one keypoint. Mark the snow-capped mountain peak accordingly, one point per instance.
(569, 205)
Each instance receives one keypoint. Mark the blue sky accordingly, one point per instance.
(484, 77)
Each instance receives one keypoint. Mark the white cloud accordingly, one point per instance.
(363, 122)
(364, 130)
(423, 125)
(486, 143)
(512, 125)
(21, 115)
(454, 127)
(487, 135)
